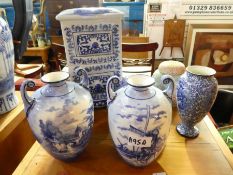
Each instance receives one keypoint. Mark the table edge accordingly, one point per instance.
(217, 137)
(16, 117)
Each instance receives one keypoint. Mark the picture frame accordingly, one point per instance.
(155, 7)
(212, 45)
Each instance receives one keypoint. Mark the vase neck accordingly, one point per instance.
(56, 89)
(191, 75)
(201, 71)
(58, 84)
(138, 93)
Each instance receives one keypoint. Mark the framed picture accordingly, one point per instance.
(212, 45)
(155, 7)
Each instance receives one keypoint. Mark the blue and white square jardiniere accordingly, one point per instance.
(92, 39)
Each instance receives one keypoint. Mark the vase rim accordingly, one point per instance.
(55, 77)
(140, 81)
(200, 70)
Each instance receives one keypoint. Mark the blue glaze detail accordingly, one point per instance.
(145, 120)
(8, 100)
(61, 115)
(66, 146)
(195, 96)
(96, 43)
(91, 11)
(141, 156)
(96, 48)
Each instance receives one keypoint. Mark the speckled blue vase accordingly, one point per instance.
(92, 40)
(60, 114)
(196, 93)
(139, 117)
(8, 100)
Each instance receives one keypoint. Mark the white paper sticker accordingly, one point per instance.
(162, 173)
(139, 141)
(155, 19)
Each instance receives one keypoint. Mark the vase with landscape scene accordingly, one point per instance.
(60, 114)
(139, 117)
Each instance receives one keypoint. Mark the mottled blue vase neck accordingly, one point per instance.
(191, 75)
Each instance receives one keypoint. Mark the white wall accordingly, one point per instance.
(172, 7)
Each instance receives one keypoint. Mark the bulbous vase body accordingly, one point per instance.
(8, 100)
(139, 119)
(196, 93)
(61, 116)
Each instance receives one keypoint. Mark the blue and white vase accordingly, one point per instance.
(92, 39)
(8, 100)
(139, 117)
(196, 93)
(60, 114)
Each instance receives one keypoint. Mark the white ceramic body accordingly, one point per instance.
(8, 100)
(61, 116)
(92, 39)
(139, 121)
(157, 75)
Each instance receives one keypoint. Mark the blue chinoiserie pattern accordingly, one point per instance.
(8, 100)
(92, 39)
(140, 156)
(139, 118)
(88, 12)
(62, 145)
(60, 114)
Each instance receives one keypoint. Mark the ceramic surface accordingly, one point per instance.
(139, 117)
(8, 100)
(173, 68)
(60, 114)
(92, 38)
(196, 93)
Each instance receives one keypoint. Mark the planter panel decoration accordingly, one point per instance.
(92, 39)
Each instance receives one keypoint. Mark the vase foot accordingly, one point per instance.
(187, 131)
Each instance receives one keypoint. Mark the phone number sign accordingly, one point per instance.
(207, 9)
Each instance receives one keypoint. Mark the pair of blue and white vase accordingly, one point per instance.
(61, 114)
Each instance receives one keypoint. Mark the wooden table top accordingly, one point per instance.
(205, 155)
(38, 48)
(10, 120)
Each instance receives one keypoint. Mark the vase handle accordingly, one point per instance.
(111, 94)
(27, 101)
(78, 72)
(168, 80)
